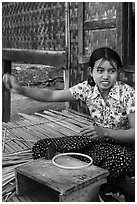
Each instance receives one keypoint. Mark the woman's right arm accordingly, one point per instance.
(43, 95)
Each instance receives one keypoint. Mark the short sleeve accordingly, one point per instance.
(80, 91)
(129, 99)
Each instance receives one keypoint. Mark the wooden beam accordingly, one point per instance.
(101, 24)
(80, 30)
(121, 30)
(68, 49)
(6, 96)
(51, 58)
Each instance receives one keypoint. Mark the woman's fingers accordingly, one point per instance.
(93, 133)
(10, 82)
(89, 131)
(83, 130)
(6, 81)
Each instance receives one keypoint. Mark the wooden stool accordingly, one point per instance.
(61, 185)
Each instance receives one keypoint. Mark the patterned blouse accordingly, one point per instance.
(112, 114)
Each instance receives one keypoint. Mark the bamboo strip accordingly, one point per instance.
(4, 139)
(39, 133)
(6, 151)
(32, 135)
(20, 133)
(13, 134)
(9, 148)
(14, 147)
(48, 117)
(41, 121)
(32, 118)
(39, 129)
(7, 174)
(50, 131)
(6, 125)
(51, 114)
(25, 123)
(70, 126)
(61, 129)
(27, 143)
(34, 129)
(8, 188)
(27, 130)
(43, 126)
(12, 125)
(22, 143)
(77, 117)
(53, 120)
(8, 196)
(21, 152)
(8, 180)
(74, 120)
(31, 132)
(63, 123)
(15, 158)
(14, 162)
(7, 169)
(81, 115)
(15, 139)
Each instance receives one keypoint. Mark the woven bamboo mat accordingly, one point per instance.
(19, 137)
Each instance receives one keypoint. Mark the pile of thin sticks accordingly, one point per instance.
(9, 162)
(19, 137)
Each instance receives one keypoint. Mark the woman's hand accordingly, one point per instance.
(100, 131)
(10, 82)
(89, 131)
(93, 131)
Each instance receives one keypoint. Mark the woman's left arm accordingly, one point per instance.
(125, 136)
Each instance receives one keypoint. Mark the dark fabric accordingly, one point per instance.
(118, 158)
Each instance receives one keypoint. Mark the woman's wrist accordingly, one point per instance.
(106, 134)
(19, 89)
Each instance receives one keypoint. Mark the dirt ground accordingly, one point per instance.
(25, 73)
(21, 104)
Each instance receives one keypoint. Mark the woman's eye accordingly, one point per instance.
(100, 71)
(111, 71)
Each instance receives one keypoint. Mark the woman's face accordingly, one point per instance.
(104, 74)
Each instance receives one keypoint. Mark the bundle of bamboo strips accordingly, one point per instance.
(19, 137)
(9, 162)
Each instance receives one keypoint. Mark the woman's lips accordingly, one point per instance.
(105, 83)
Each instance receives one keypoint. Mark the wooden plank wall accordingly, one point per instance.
(33, 32)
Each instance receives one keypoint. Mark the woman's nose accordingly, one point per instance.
(105, 75)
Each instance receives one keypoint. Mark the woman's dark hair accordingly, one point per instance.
(107, 54)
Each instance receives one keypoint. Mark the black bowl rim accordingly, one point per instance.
(122, 190)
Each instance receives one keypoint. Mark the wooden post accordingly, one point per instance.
(6, 96)
(68, 49)
(80, 31)
(131, 36)
(120, 29)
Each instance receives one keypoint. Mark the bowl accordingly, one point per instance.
(110, 192)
